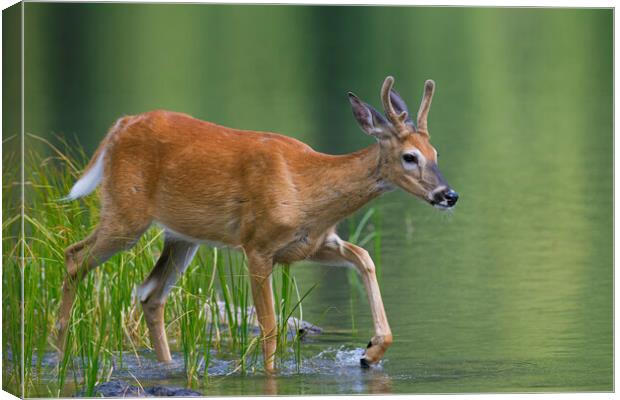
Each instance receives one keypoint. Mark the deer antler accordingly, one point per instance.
(398, 120)
(429, 89)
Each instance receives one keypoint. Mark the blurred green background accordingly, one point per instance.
(511, 292)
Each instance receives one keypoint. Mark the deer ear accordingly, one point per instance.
(399, 106)
(370, 120)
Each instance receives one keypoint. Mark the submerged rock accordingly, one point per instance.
(123, 389)
(115, 389)
(171, 392)
(294, 325)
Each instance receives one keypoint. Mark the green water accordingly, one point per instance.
(511, 292)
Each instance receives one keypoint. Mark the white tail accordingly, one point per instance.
(89, 181)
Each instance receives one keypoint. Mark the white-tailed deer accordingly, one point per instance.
(271, 196)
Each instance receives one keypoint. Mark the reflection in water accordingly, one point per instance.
(271, 386)
(330, 371)
(337, 370)
(377, 382)
(342, 365)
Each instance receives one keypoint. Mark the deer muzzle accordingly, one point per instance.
(443, 197)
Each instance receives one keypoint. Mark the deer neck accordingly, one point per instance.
(349, 182)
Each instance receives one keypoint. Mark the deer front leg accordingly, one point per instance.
(335, 251)
(260, 269)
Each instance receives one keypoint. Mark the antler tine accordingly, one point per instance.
(397, 119)
(429, 89)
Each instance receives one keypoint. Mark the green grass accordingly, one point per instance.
(107, 319)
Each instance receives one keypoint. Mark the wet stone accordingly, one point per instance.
(122, 389)
(171, 391)
(294, 325)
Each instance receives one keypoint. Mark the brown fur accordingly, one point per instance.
(270, 195)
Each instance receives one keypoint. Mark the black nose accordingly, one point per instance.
(451, 197)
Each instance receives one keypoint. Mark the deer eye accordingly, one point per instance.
(410, 158)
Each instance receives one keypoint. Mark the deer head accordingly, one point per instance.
(407, 158)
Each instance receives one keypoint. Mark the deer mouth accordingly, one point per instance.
(441, 205)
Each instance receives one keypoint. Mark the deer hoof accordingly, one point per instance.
(375, 350)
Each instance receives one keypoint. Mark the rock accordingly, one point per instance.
(123, 389)
(293, 324)
(115, 389)
(166, 391)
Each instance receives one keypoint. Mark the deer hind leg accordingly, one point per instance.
(335, 251)
(153, 292)
(260, 269)
(105, 241)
